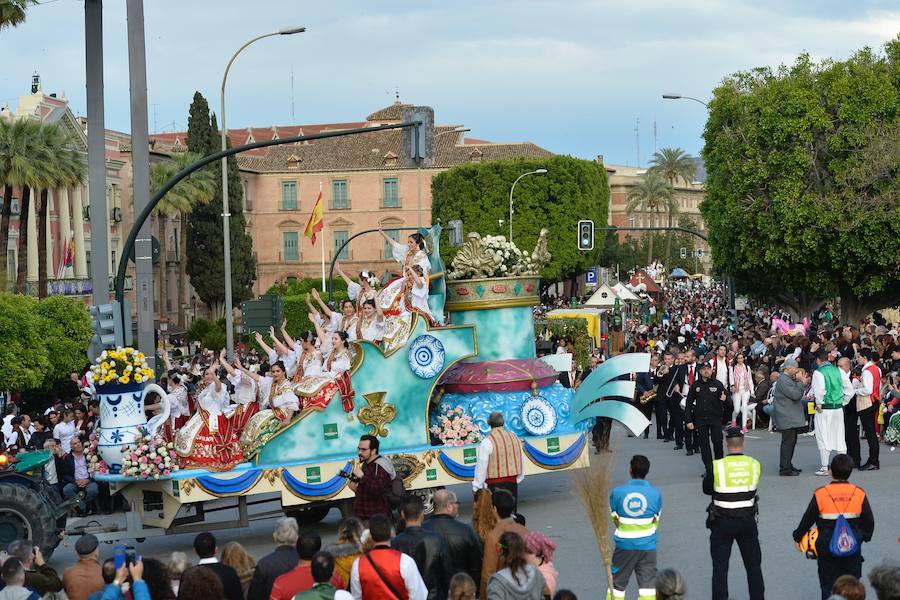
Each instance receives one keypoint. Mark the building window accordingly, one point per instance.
(113, 266)
(288, 195)
(339, 197)
(248, 202)
(290, 249)
(340, 236)
(391, 195)
(87, 261)
(10, 266)
(394, 234)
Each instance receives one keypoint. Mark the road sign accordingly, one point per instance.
(591, 276)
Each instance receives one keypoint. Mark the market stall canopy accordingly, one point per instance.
(604, 297)
(679, 273)
(624, 293)
(642, 279)
(593, 317)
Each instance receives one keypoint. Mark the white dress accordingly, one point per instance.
(283, 397)
(372, 329)
(215, 403)
(393, 299)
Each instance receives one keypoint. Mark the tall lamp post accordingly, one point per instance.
(535, 172)
(419, 173)
(226, 215)
(682, 97)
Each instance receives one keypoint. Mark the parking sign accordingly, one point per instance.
(591, 276)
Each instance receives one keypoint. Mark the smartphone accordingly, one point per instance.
(130, 555)
(119, 556)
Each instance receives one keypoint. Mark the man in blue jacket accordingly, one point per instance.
(635, 508)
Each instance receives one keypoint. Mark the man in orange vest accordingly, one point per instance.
(499, 460)
(383, 572)
(840, 497)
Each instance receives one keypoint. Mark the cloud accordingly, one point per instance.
(572, 75)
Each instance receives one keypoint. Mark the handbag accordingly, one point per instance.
(382, 577)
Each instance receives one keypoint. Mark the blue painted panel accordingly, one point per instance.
(502, 332)
(315, 490)
(458, 470)
(234, 485)
(560, 459)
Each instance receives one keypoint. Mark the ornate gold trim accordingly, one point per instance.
(377, 413)
(311, 498)
(417, 465)
(186, 486)
(491, 304)
(557, 467)
(272, 475)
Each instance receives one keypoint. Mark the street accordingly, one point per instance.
(549, 506)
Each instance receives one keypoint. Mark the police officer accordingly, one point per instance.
(733, 516)
(705, 412)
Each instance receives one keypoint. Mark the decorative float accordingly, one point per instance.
(427, 400)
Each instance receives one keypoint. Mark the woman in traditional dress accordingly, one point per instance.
(277, 351)
(395, 299)
(362, 291)
(344, 321)
(208, 440)
(371, 324)
(179, 409)
(309, 360)
(316, 391)
(276, 406)
(245, 396)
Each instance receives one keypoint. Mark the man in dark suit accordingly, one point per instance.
(205, 547)
(427, 548)
(665, 377)
(675, 392)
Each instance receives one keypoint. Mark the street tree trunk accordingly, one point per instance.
(42, 244)
(183, 296)
(22, 260)
(855, 308)
(669, 241)
(5, 218)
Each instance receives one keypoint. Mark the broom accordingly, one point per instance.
(592, 486)
(483, 518)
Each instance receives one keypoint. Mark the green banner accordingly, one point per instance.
(431, 475)
(330, 431)
(313, 475)
(469, 456)
(553, 445)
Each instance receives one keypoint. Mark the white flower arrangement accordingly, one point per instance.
(504, 259)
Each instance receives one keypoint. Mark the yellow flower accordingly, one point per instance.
(104, 365)
(138, 379)
(124, 379)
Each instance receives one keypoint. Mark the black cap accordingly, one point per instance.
(734, 432)
(86, 544)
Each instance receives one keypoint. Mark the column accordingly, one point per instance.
(51, 274)
(32, 246)
(65, 229)
(78, 221)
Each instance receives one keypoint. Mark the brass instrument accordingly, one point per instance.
(648, 396)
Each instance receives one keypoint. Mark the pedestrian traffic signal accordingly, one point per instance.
(455, 233)
(585, 235)
(684, 253)
(109, 328)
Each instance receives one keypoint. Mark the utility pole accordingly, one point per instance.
(96, 133)
(140, 154)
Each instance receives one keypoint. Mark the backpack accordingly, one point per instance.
(843, 540)
(397, 491)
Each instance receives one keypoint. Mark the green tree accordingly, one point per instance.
(66, 332)
(198, 188)
(802, 190)
(16, 169)
(673, 164)
(12, 12)
(652, 194)
(204, 248)
(61, 166)
(573, 189)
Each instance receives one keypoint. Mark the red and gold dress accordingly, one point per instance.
(208, 440)
(396, 299)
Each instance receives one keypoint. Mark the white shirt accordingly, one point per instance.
(208, 561)
(415, 586)
(483, 457)
(867, 382)
(847, 386)
(7, 427)
(50, 472)
(818, 387)
(64, 432)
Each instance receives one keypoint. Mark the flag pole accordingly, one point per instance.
(323, 240)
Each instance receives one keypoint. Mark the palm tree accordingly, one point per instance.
(673, 164)
(15, 165)
(650, 195)
(12, 12)
(199, 188)
(61, 165)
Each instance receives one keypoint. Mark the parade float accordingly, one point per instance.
(427, 400)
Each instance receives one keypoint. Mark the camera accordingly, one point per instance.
(344, 474)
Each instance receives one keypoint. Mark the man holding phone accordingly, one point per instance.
(38, 575)
(121, 577)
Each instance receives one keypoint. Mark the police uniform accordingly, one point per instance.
(828, 502)
(733, 516)
(706, 410)
(635, 508)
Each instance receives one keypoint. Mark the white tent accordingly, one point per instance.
(604, 297)
(624, 293)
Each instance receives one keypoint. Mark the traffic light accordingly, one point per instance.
(699, 252)
(585, 235)
(109, 328)
(684, 253)
(455, 233)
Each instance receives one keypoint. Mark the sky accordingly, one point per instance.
(577, 77)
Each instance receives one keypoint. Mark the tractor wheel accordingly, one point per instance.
(25, 515)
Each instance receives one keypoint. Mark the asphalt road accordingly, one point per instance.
(549, 506)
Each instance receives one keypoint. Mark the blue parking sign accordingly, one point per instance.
(591, 275)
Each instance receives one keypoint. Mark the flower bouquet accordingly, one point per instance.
(455, 428)
(149, 458)
(122, 366)
(95, 464)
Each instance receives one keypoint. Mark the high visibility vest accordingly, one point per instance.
(840, 498)
(635, 508)
(735, 480)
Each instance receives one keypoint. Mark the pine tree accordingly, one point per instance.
(205, 253)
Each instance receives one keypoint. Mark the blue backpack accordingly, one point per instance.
(843, 540)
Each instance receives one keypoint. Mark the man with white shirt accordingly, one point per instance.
(20, 434)
(828, 391)
(499, 460)
(51, 467)
(65, 430)
(722, 367)
(11, 411)
(851, 429)
(868, 397)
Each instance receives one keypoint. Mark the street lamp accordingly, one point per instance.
(535, 172)
(671, 96)
(419, 173)
(226, 215)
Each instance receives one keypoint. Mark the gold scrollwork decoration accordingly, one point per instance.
(409, 466)
(187, 485)
(377, 413)
(429, 457)
(272, 475)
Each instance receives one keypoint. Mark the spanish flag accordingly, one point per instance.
(316, 219)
